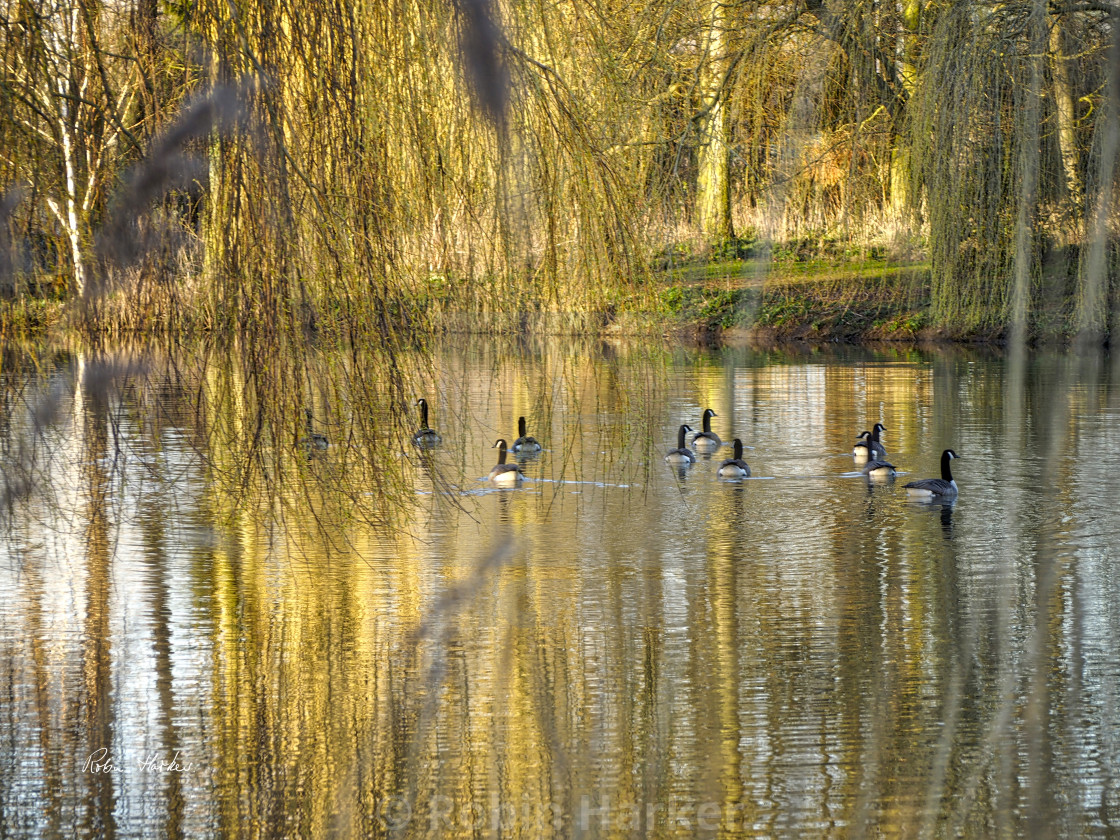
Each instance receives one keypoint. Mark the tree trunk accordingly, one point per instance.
(908, 73)
(74, 227)
(215, 256)
(1067, 132)
(713, 158)
(70, 215)
(1029, 134)
(1092, 299)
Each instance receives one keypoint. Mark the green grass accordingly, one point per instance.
(710, 307)
(793, 290)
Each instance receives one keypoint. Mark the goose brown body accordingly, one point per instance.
(706, 440)
(682, 455)
(735, 466)
(503, 474)
(944, 487)
(425, 437)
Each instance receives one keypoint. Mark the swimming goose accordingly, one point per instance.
(503, 474)
(524, 443)
(878, 469)
(681, 456)
(735, 466)
(932, 488)
(314, 440)
(425, 437)
(869, 447)
(861, 450)
(877, 445)
(707, 440)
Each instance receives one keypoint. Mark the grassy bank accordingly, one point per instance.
(811, 298)
(815, 300)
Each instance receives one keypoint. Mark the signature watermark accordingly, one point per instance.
(102, 761)
(441, 813)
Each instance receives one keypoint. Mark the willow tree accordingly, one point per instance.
(368, 178)
(996, 181)
(248, 207)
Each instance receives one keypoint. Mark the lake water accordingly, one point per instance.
(202, 640)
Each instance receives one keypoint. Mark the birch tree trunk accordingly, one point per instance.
(62, 93)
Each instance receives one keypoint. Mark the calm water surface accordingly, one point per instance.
(614, 649)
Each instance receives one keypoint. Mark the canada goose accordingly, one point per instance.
(524, 443)
(929, 488)
(681, 456)
(735, 466)
(869, 447)
(878, 469)
(861, 450)
(707, 440)
(425, 437)
(314, 440)
(503, 474)
(877, 445)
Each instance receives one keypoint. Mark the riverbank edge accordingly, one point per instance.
(814, 302)
(704, 303)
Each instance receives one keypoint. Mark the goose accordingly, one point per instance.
(865, 451)
(707, 440)
(931, 488)
(878, 469)
(313, 440)
(877, 445)
(735, 466)
(869, 447)
(503, 474)
(681, 456)
(524, 443)
(862, 449)
(425, 437)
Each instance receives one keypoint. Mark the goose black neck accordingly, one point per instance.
(875, 432)
(738, 450)
(707, 420)
(680, 437)
(501, 451)
(946, 470)
(521, 427)
(423, 414)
